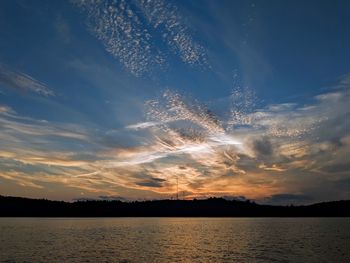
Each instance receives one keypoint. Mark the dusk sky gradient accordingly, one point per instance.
(122, 99)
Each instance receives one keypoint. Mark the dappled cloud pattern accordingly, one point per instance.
(129, 30)
(258, 153)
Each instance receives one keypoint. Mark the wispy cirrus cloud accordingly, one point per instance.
(182, 140)
(291, 141)
(21, 81)
(6, 109)
(142, 34)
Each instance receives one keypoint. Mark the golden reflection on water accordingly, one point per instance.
(149, 240)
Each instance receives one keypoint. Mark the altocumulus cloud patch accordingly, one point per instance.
(142, 34)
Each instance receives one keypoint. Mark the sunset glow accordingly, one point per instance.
(142, 99)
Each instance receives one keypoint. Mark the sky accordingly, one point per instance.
(143, 99)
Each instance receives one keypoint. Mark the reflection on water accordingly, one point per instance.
(142, 240)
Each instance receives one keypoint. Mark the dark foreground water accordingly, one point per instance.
(146, 240)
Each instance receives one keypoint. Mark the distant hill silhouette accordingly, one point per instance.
(212, 207)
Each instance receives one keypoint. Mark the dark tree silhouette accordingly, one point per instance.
(212, 207)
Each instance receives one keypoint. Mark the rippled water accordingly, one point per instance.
(175, 240)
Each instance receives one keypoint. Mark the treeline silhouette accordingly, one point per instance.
(212, 207)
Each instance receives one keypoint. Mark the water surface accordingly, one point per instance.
(143, 240)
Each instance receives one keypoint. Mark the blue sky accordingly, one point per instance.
(120, 98)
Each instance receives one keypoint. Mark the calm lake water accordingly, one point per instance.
(143, 240)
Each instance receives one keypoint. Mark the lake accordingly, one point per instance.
(143, 240)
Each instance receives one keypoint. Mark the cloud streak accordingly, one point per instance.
(21, 81)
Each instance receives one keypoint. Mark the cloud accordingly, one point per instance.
(172, 107)
(22, 81)
(184, 140)
(274, 167)
(112, 198)
(338, 168)
(23, 127)
(233, 197)
(37, 142)
(5, 109)
(165, 17)
(151, 182)
(285, 140)
(263, 146)
(135, 31)
(143, 125)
